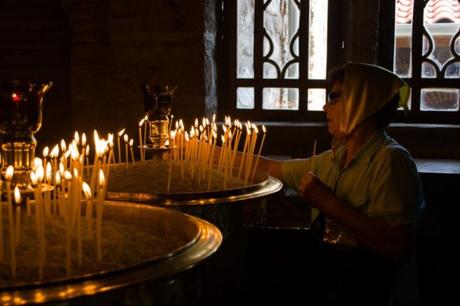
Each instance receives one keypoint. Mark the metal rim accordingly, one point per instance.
(206, 244)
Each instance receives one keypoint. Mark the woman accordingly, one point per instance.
(367, 187)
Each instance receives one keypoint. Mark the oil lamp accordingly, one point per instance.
(20, 118)
(157, 105)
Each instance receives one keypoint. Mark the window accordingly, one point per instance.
(276, 55)
(425, 43)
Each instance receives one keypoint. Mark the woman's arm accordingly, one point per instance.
(374, 234)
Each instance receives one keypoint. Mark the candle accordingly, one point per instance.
(243, 157)
(141, 123)
(120, 133)
(8, 176)
(17, 200)
(99, 212)
(126, 139)
(258, 153)
(2, 256)
(45, 153)
(146, 124)
(131, 142)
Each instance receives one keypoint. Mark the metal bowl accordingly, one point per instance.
(264, 185)
(201, 240)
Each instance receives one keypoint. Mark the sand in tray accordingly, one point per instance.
(152, 177)
(130, 236)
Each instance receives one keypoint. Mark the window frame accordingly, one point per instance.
(416, 82)
(228, 82)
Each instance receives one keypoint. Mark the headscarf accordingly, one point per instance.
(366, 89)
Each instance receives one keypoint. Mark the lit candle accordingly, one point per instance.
(126, 140)
(141, 123)
(45, 154)
(8, 176)
(89, 207)
(120, 133)
(99, 212)
(2, 256)
(17, 200)
(258, 153)
(131, 142)
(146, 124)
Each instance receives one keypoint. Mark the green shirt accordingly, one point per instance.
(381, 181)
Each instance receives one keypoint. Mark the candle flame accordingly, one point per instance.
(61, 168)
(131, 142)
(48, 172)
(57, 178)
(101, 178)
(110, 140)
(75, 173)
(87, 149)
(15, 97)
(121, 132)
(95, 136)
(46, 151)
(63, 145)
(125, 138)
(40, 173)
(9, 173)
(37, 163)
(86, 190)
(141, 123)
(17, 195)
(33, 178)
(264, 129)
(54, 152)
(196, 122)
(74, 154)
(83, 139)
(67, 175)
(76, 137)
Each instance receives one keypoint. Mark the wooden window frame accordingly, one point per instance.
(416, 82)
(228, 82)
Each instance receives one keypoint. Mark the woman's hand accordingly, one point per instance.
(315, 192)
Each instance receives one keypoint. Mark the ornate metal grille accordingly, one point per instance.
(276, 54)
(423, 46)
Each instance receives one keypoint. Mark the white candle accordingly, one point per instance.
(131, 142)
(2, 256)
(141, 123)
(120, 133)
(126, 140)
(17, 200)
(8, 176)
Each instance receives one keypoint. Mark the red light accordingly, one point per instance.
(15, 97)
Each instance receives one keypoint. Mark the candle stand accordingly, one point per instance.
(20, 118)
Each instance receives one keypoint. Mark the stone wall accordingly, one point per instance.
(98, 53)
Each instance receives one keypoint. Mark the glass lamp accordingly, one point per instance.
(20, 118)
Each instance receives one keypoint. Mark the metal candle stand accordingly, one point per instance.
(157, 106)
(20, 118)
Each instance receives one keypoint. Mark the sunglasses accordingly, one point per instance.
(333, 97)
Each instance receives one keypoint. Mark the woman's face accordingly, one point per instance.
(332, 109)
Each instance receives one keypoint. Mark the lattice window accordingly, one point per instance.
(426, 52)
(276, 58)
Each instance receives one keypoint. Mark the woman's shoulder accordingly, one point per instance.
(392, 151)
